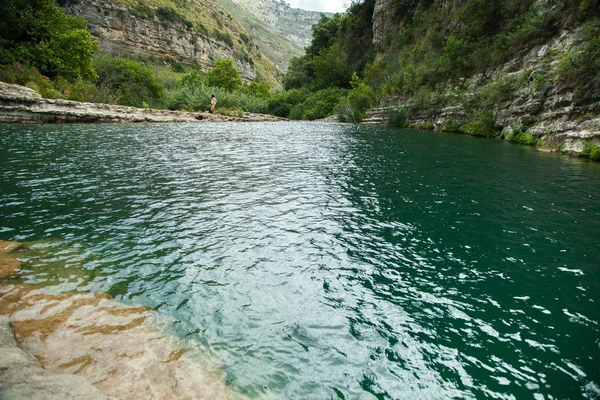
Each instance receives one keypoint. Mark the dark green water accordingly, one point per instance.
(322, 260)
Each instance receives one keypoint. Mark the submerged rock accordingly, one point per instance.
(119, 349)
(22, 377)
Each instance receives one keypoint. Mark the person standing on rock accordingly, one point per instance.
(213, 103)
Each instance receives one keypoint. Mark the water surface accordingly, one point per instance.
(324, 261)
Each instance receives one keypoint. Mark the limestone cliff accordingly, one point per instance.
(556, 113)
(293, 23)
(207, 34)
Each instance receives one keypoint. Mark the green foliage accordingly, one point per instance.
(330, 69)
(521, 138)
(300, 73)
(320, 104)
(480, 123)
(193, 79)
(360, 98)
(324, 34)
(224, 37)
(169, 15)
(282, 103)
(197, 98)
(224, 75)
(60, 88)
(258, 89)
(345, 112)
(131, 82)
(142, 10)
(581, 66)
(38, 33)
(397, 118)
(591, 151)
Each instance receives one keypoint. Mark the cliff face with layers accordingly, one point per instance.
(557, 114)
(293, 23)
(122, 31)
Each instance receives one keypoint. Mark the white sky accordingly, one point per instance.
(321, 5)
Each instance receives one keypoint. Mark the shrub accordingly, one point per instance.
(281, 103)
(397, 118)
(581, 66)
(224, 37)
(193, 79)
(170, 15)
(131, 82)
(591, 151)
(258, 89)
(197, 98)
(142, 10)
(224, 75)
(42, 35)
(346, 113)
(521, 138)
(321, 104)
(480, 124)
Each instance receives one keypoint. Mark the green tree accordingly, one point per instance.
(132, 83)
(300, 73)
(331, 70)
(38, 33)
(224, 75)
(261, 90)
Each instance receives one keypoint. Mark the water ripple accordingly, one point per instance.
(325, 260)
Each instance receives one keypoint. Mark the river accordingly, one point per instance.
(325, 261)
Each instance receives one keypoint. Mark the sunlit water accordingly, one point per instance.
(325, 261)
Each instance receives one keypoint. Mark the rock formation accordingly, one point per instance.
(121, 31)
(21, 104)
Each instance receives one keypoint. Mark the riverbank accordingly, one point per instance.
(19, 104)
(81, 345)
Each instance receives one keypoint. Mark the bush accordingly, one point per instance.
(258, 89)
(281, 103)
(131, 82)
(224, 75)
(397, 118)
(42, 35)
(581, 66)
(591, 151)
(170, 15)
(480, 124)
(224, 37)
(321, 104)
(521, 138)
(345, 112)
(197, 98)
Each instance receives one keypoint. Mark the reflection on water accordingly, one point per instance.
(324, 260)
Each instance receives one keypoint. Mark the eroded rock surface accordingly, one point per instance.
(89, 346)
(19, 104)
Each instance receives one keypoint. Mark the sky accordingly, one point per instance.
(321, 5)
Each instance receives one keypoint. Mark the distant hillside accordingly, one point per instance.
(279, 30)
(189, 31)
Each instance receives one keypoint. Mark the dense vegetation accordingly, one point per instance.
(429, 52)
(43, 48)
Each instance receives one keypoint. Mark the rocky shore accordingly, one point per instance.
(19, 104)
(82, 345)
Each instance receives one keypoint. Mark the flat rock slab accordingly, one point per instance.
(19, 104)
(22, 377)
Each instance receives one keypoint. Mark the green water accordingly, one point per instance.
(326, 261)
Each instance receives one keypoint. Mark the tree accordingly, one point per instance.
(331, 70)
(299, 74)
(38, 33)
(133, 83)
(261, 90)
(224, 75)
